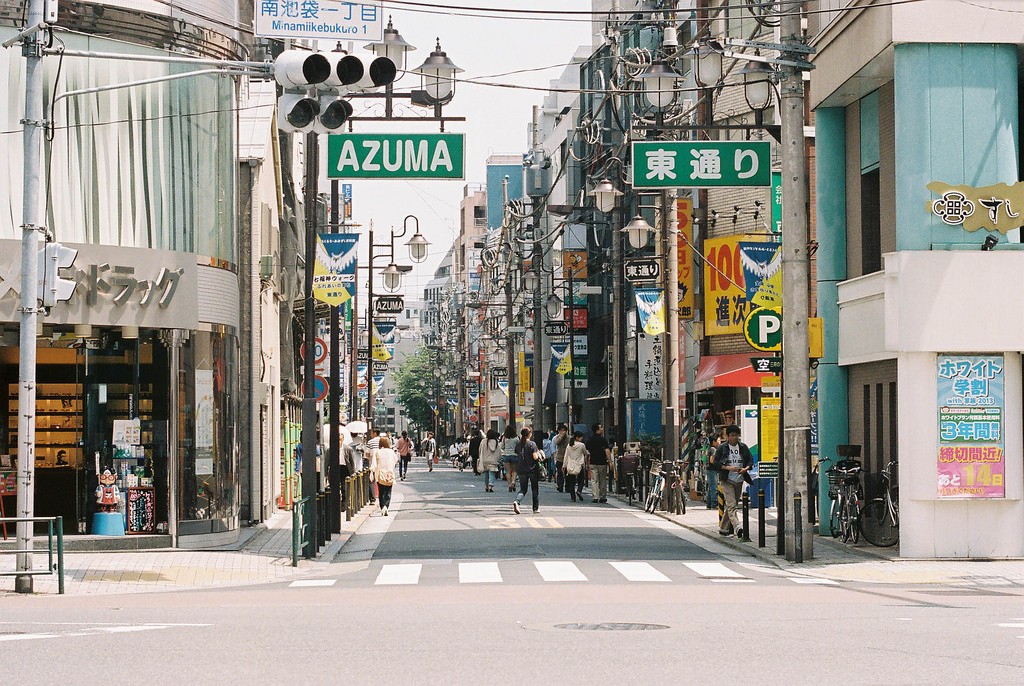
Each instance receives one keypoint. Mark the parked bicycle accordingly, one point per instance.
(667, 483)
(880, 518)
(847, 494)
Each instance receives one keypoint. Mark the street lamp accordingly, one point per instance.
(437, 79)
(392, 277)
(605, 195)
(757, 85)
(707, 59)
(659, 81)
(553, 306)
(393, 46)
(638, 231)
(531, 281)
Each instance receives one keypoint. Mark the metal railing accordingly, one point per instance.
(52, 524)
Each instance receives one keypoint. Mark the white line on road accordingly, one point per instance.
(812, 580)
(559, 571)
(713, 570)
(399, 575)
(731, 581)
(1010, 626)
(27, 637)
(639, 571)
(309, 583)
(479, 573)
(131, 629)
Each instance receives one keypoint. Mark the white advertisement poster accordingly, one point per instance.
(204, 408)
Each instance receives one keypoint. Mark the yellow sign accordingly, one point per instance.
(995, 208)
(574, 261)
(725, 294)
(816, 337)
(684, 247)
(768, 436)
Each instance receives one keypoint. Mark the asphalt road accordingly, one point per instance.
(453, 588)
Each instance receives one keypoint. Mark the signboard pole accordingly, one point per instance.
(334, 474)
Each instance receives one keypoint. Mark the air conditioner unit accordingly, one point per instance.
(268, 267)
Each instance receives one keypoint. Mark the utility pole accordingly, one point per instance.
(309, 413)
(369, 339)
(670, 353)
(31, 228)
(538, 268)
(510, 348)
(795, 279)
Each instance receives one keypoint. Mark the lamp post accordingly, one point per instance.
(606, 198)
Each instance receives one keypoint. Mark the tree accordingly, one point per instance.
(414, 382)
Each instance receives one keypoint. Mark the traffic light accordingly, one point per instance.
(51, 287)
(314, 85)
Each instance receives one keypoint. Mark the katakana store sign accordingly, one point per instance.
(971, 461)
(703, 164)
(994, 208)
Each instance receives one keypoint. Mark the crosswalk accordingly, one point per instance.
(563, 571)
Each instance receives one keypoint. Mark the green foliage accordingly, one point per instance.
(415, 383)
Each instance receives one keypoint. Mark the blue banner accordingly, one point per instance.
(334, 274)
(650, 305)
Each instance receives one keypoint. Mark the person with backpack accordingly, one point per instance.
(382, 466)
(490, 458)
(733, 460)
(573, 462)
(528, 469)
(427, 447)
(509, 455)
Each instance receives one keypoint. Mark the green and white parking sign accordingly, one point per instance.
(701, 164)
(396, 156)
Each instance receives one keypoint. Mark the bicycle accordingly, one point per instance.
(667, 481)
(628, 465)
(847, 494)
(880, 518)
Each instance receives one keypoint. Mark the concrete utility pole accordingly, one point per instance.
(538, 269)
(31, 229)
(670, 353)
(510, 347)
(795, 280)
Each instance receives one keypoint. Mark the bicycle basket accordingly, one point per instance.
(842, 472)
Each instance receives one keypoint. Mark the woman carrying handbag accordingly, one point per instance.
(383, 469)
(573, 463)
(528, 468)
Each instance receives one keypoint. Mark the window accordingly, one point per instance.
(870, 222)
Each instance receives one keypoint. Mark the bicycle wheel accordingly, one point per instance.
(877, 526)
(852, 530)
(654, 497)
(833, 519)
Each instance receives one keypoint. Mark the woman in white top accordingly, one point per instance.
(574, 462)
(490, 458)
(382, 467)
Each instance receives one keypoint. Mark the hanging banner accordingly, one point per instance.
(346, 201)
(453, 402)
(378, 383)
(650, 304)
(334, 272)
(971, 460)
(725, 293)
(684, 249)
(361, 374)
(474, 397)
(650, 361)
(383, 340)
(574, 263)
(563, 356)
(762, 273)
(503, 386)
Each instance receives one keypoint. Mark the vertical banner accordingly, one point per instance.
(334, 274)
(650, 306)
(971, 460)
(649, 359)
(346, 199)
(769, 411)
(684, 221)
(777, 202)
(204, 422)
(383, 340)
(562, 354)
(575, 262)
(762, 273)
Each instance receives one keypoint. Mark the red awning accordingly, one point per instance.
(727, 371)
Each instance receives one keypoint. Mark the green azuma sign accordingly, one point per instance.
(396, 156)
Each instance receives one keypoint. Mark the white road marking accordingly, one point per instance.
(812, 580)
(479, 573)
(639, 571)
(130, 629)
(713, 570)
(731, 581)
(399, 575)
(1010, 626)
(309, 583)
(27, 637)
(559, 571)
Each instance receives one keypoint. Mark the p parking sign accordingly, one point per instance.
(763, 329)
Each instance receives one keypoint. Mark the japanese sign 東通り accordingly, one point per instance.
(971, 460)
(703, 164)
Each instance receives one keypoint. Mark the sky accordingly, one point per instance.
(497, 119)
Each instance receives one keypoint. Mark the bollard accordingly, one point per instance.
(723, 521)
(321, 517)
(798, 528)
(746, 517)
(760, 518)
(348, 498)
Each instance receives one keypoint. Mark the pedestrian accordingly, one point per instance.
(383, 470)
(490, 458)
(600, 455)
(733, 461)
(427, 447)
(475, 439)
(711, 495)
(404, 455)
(561, 441)
(548, 446)
(574, 460)
(528, 469)
(509, 457)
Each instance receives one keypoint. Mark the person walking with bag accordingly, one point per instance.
(573, 461)
(560, 441)
(383, 469)
(733, 460)
(509, 455)
(528, 469)
(490, 458)
(427, 447)
(404, 455)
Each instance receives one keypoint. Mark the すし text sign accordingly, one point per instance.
(971, 460)
(396, 156)
(701, 164)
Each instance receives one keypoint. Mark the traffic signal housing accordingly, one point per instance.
(51, 287)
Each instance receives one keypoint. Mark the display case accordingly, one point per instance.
(58, 425)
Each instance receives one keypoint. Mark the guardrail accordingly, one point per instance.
(52, 523)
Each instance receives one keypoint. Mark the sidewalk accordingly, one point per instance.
(263, 555)
(861, 562)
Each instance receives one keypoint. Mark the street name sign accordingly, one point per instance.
(556, 328)
(323, 20)
(499, 373)
(763, 329)
(701, 164)
(396, 156)
(390, 304)
(379, 366)
(646, 269)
